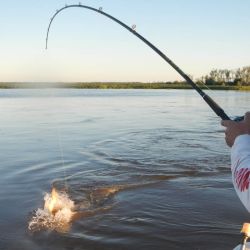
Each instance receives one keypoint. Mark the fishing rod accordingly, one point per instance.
(213, 105)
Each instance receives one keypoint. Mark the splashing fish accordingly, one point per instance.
(56, 215)
(60, 211)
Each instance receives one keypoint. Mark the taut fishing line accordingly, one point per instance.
(59, 136)
(213, 105)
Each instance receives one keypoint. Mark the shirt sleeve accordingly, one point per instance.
(240, 159)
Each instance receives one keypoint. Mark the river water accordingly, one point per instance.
(152, 163)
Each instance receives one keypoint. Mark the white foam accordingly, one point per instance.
(59, 220)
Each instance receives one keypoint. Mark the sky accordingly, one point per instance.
(198, 35)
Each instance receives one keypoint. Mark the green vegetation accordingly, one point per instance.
(141, 85)
(238, 79)
(223, 77)
(119, 85)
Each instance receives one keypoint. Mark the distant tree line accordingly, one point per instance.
(225, 77)
(221, 79)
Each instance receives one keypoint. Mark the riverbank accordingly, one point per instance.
(115, 85)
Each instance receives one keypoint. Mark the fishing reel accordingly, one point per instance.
(238, 118)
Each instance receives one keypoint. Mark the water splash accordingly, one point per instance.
(60, 211)
(56, 215)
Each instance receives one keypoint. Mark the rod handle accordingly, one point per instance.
(216, 108)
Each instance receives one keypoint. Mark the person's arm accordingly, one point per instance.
(240, 159)
(237, 136)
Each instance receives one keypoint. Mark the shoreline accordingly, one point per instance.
(115, 85)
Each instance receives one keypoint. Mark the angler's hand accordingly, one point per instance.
(234, 129)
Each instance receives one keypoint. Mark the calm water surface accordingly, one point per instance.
(163, 151)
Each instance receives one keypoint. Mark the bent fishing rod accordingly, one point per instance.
(213, 105)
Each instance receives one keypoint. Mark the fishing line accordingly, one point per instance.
(60, 146)
(212, 104)
(62, 157)
(205, 86)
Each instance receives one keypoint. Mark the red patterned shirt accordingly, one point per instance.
(240, 158)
